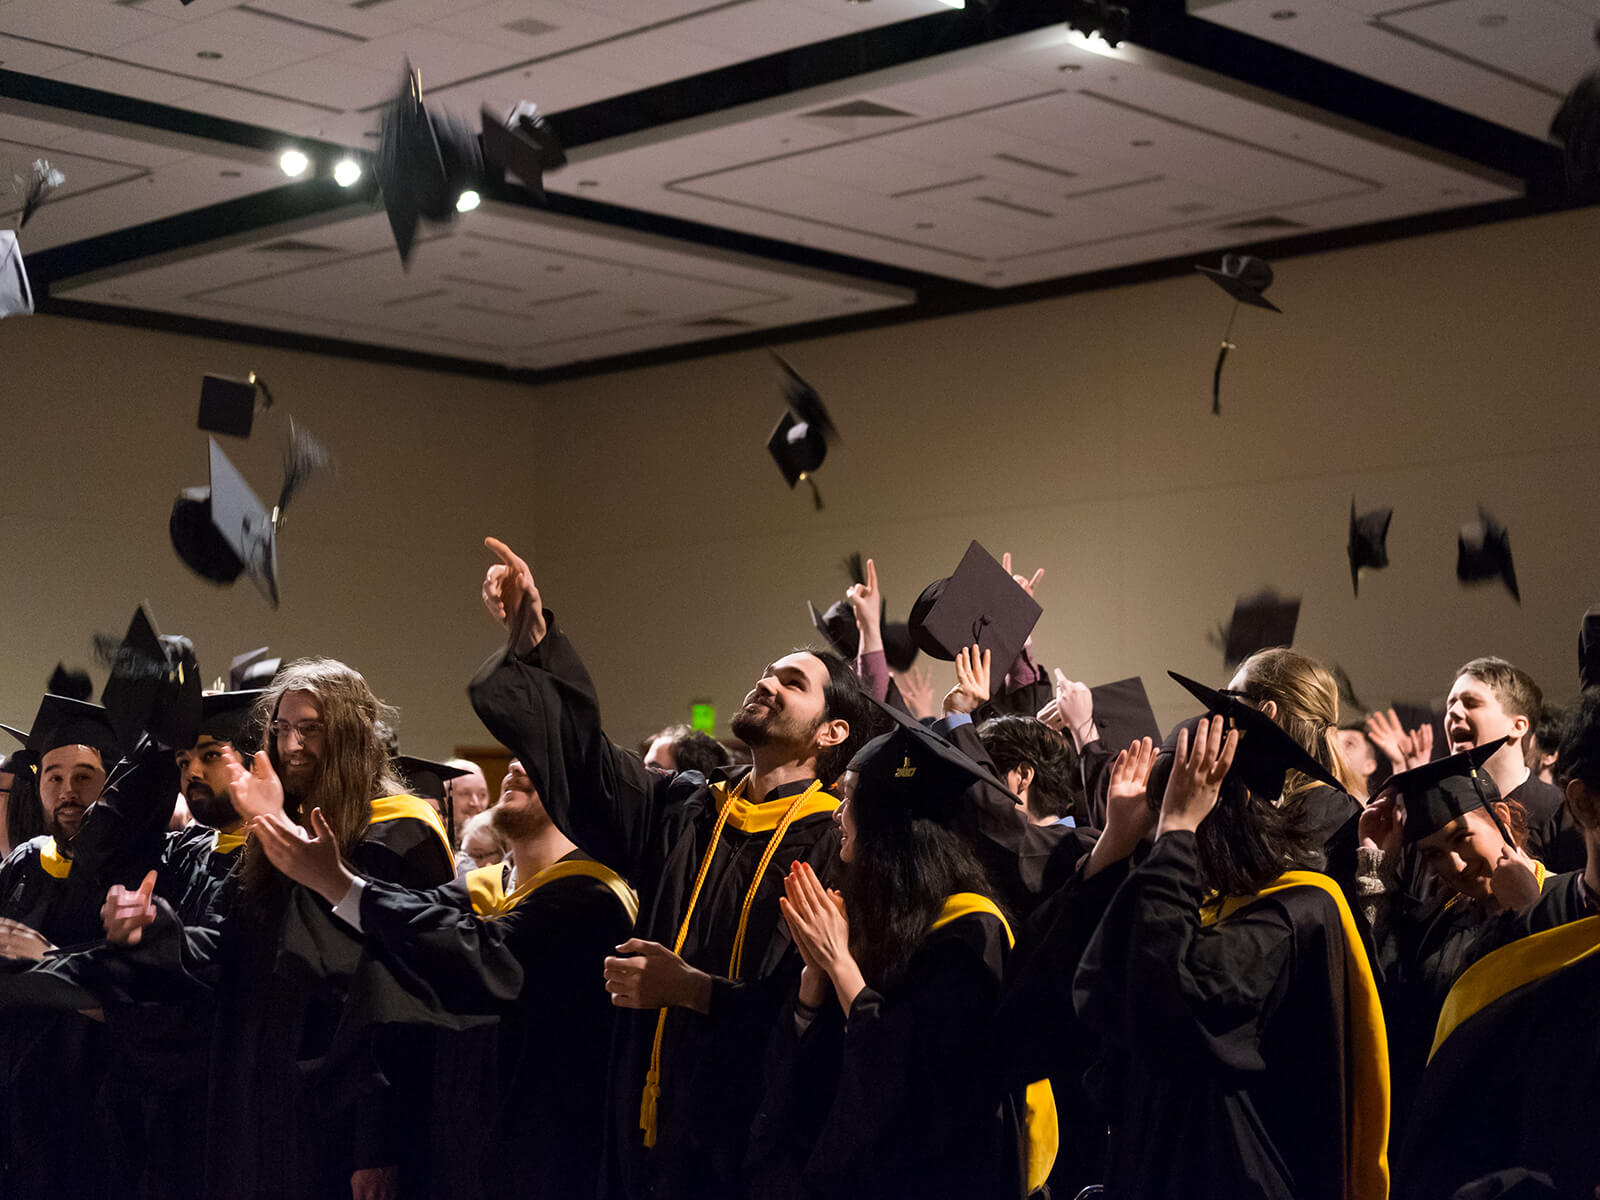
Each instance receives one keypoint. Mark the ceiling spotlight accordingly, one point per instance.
(347, 172)
(294, 163)
(467, 201)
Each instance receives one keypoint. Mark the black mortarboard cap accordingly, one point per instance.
(154, 687)
(1483, 552)
(1122, 713)
(1438, 792)
(245, 523)
(837, 623)
(913, 771)
(1260, 621)
(424, 162)
(64, 722)
(427, 778)
(16, 298)
(1369, 542)
(42, 180)
(74, 685)
(1576, 126)
(1589, 650)
(800, 441)
(1266, 753)
(980, 604)
(523, 145)
(229, 405)
(223, 715)
(252, 669)
(1244, 277)
(20, 734)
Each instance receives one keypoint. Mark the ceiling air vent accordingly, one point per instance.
(293, 246)
(530, 26)
(858, 108)
(1265, 223)
(717, 323)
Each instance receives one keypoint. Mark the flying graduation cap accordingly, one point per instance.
(523, 145)
(1369, 542)
(1576, 126)
(42, 179)
(837, 623)
(224, 530)
(252, 669)
(803, 434)
(1260, 621)
(1483, 552)
(73, 684)
(425, 162)
(980, 604)
(427, 778)
(1245, 278)
(229, 405)
(16, 298)
(154, 686)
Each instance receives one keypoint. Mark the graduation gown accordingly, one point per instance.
(519, 1105)
(1242, 1058)
(658, 833)
(1511, 1079)
(896, 1100)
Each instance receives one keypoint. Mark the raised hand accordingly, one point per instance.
(125, 914)
(21, 941)
(1421, 745)
(1025, 582)
(1075, 703)
(1380, 825)
(1197, 775)
(1128, 815)
(512, 598)
(1403, 749)
(817, 922)
(866, 602)
(652, 976)
(1514, 882)
(971, 691)
(256, 792)
(309, 859)
(916, 689)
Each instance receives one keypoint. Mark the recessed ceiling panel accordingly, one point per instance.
(503, 285)
(1507, 61)
(1046, 155)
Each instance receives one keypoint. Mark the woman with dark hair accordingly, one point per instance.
(876, 1075)
(19, 785)
(1242, 1040)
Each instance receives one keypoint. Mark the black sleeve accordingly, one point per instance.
(1167, 989)
(406, 851)
(543, 707)
(124, 831)
(1094, 766)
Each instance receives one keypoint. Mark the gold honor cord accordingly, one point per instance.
(649, 1103)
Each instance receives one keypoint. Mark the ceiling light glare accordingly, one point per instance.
(467, 201)
(347, 172)
(954, 3)
(294, 163)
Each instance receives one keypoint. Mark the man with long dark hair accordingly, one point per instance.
(709, 966)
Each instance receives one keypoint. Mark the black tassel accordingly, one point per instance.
(1216, 379)
(816, 496)
(855, 568)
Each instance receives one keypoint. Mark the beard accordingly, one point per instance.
(299, 779)
(65, 830)
(210, 809)
(514, 824)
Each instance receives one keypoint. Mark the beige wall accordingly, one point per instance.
(1428, 375)
(379, 565)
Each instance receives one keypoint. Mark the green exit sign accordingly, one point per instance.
(703, 716)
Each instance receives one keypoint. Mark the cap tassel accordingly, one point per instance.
(816, 496)
(1222, 357)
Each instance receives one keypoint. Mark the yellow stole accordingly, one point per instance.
(1504, 970)
(747, 817)
(1367, 1146)
(1043, 1126)
(56, 864)
(487, 890)
(392, 808)
(227, 843)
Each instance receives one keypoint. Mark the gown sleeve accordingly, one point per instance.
(124, 831)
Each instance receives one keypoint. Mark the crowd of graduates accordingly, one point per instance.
(980, 938)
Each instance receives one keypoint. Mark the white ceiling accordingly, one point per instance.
(116, 175)
(321, 68)
(1027, 158)
(502, 284)
(1508, 61)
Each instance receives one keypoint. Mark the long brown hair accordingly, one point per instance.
(355, 767)
(1307, 697)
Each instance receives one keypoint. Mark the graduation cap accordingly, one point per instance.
(1576, 126)
(64, 722)
(1369, 537)
(523, 145)
(154, 686)
(1266, 753)
(980, 604)
(1438, 792)
(837, 623)
(1122, 713)
(1245, 278)
(74, 685)
(16, 298)
(42, 179)
(803, 434)
(427, 778)
(1589, 650)
(912, 771)
(224, 715)
(252, 669)
(1483, 552)
(229, 405)
(425, 162)
(224, 530)
(1260, 621)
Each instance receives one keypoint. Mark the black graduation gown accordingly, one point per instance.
(520, 1104)
(897, 1100)
(1514, 1086)
(1224, 1073)
(655, 830)
(1558, 842)
(1540, 800)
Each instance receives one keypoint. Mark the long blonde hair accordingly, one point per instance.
(1307, 698)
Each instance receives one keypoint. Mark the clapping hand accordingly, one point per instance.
(256, 792)
(820, 930)
(126, 913)
(1128, 815)
(512, 598)
(310, 859)
(916, 689)
(1197, 775)
(1403, 749)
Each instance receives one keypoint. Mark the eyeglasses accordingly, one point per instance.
(304, 730)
